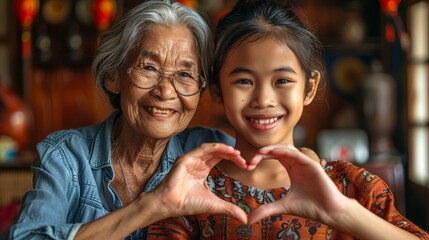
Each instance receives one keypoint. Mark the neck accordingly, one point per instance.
(134, 160)
(134, 148)
(268, 174)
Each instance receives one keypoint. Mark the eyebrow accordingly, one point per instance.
(246, 70)
(186, 63)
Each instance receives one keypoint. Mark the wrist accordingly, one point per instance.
(345, 220)
(147, 209)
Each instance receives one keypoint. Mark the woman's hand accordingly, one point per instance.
(184, 191)
(312, 195)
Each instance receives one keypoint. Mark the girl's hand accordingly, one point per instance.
(184, 191)
(311, 154)
(312, 195)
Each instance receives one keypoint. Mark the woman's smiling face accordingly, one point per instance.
(159, 112)
(263, 91)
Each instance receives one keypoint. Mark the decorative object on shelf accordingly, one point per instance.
(379, 107)
(74, 43)
(82, 11)
(210, 6)
(353, 29)
(345, 73)
(343, 144)
(14, 123)
(8, 149)
(42, 45)
(56, 11)
(103, 13)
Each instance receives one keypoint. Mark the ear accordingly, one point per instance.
(113, 84)
(313, 84)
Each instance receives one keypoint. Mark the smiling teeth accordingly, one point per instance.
(263, 121)
(158, 111)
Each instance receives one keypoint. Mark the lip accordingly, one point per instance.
(263, 123)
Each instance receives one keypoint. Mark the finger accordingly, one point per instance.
(267, 149)
(310, 153)
(212, 153)
(237, 213)
(323, 163)
(214, 157)
(229, 209)
(289, 155)
(252, 163)
(266, 211)
(239, 161)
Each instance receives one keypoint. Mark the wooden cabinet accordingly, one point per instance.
(14, 183)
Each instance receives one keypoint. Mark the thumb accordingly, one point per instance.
(234, 211)
(266, 211)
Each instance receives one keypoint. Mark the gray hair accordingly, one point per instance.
(121, 41)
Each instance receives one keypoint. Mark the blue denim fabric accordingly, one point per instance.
(72, 179)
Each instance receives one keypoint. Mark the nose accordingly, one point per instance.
(263, 97)
(165, 89)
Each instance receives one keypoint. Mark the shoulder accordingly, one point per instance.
(70, 137)
(71, 147)
(344, 170)
(195, 136)
(357, 182)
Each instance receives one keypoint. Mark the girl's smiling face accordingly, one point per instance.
(263, 91)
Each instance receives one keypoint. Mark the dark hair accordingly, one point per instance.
(259, 19)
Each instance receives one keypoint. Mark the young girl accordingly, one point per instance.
(267, 68)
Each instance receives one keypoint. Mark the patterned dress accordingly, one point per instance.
(352, 181)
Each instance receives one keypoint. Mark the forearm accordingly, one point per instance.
(124, 221)
(362, 223)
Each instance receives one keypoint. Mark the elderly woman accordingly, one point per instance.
(98, 182)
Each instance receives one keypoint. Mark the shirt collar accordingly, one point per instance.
(101, 143)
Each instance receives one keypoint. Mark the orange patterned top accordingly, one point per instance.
(352, 181)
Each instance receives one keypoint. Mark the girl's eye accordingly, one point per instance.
(244, 82)
(282, 81)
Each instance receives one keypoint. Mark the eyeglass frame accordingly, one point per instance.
(171, 79)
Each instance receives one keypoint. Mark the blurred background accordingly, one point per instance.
(373, 107)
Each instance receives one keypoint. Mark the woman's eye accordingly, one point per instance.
(184, 74)
(149, 68)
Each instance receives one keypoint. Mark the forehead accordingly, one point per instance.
(262, 53)
(168, 45)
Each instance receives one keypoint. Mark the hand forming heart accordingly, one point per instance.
(185, 191)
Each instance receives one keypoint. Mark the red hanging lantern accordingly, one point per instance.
(103, 12)
(390, 6)
(189, 3)
(27, 11)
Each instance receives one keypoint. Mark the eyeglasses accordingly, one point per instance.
(186, 83)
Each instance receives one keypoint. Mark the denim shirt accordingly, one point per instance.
(72, 180)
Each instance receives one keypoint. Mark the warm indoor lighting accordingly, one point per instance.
(27, 11)
(189, 3)
(390, 6)
(103, 11)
